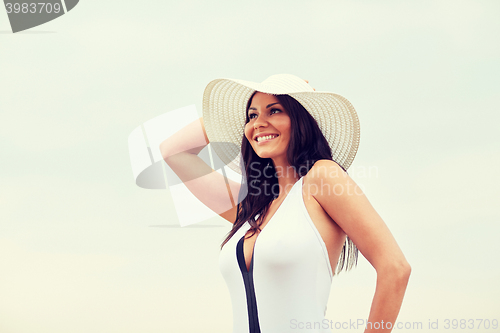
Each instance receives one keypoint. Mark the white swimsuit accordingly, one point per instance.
(287, 286)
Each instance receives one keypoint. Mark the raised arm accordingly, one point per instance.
(180, 151)
(350, 209)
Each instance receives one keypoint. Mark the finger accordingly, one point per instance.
(307, 81)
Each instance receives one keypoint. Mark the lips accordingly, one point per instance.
(265, 137)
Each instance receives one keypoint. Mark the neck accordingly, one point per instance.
(286, 175)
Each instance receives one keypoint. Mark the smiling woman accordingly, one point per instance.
(279, 255)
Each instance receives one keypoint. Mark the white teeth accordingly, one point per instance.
(261, 138)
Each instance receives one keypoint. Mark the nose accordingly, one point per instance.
(261, 121)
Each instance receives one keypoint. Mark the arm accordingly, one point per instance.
(180, 152)
(352, 211)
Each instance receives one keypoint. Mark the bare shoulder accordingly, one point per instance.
(329, 184)
(325, 170)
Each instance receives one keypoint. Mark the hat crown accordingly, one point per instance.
(284, 84)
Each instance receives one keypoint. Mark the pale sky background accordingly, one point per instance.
(83, 249)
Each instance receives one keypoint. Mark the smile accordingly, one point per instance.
(262, 139)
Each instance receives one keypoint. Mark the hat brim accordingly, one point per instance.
(224, 116)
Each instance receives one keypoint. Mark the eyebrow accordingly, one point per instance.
(267, 107)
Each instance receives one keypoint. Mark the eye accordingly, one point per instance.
(250, 116)
(273, 110)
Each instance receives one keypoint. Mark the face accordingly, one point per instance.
(269, 127)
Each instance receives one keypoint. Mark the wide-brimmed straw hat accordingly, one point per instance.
(224, 115)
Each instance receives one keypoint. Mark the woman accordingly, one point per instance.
(293, 146)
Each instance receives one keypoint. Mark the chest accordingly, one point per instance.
(288, 238)
(284, 235)
(251, 238)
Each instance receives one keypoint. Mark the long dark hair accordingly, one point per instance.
(307, 145)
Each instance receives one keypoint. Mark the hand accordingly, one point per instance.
(307, 81)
